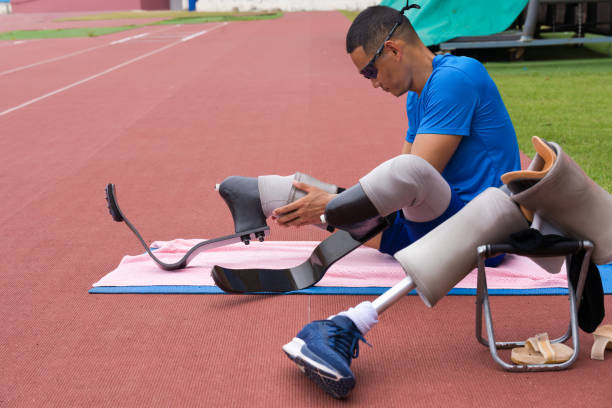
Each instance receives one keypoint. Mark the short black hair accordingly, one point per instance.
(373, 24)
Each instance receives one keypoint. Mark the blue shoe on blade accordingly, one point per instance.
(323, 350)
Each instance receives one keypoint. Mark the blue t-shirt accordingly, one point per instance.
(460, 98)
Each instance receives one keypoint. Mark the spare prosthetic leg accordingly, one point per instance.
(243, 235)
(565, 196)
(244, 197)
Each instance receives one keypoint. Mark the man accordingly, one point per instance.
(459, 142)
(459, 124)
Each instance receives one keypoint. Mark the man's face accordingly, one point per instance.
(390, 77)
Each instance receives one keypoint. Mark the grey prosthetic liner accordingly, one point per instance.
(241, 195)
(444, 256)
(278, 191)
(405, 182)
(567, 198)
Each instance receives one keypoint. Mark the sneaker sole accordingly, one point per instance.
(329, 380)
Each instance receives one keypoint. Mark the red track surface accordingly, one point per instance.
(247, 98)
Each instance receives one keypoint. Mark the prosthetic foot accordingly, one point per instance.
(557, 189)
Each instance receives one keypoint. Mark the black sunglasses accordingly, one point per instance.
(370, 71)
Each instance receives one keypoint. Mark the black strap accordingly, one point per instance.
(408, 7)
(592, 310)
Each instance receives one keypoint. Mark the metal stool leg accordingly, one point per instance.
(482, 303)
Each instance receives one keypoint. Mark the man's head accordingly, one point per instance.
(379, 48)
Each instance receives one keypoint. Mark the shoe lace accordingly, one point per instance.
(345, 341)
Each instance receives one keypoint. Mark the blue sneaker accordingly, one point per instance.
(323, 350)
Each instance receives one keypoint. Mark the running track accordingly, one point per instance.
(165, 116)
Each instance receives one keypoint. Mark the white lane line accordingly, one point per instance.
(61, 57)
(126, 39)
(10, 71)
(192, 36)
(99, 74)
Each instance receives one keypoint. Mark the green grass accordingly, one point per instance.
(164, 14)
(565, 101)
(63, 32)
(350, 14)
(209, 19)
(167, 17)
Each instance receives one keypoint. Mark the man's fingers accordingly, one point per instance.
(285, 216)
(302, 186)
(287, 220)
(288, 208)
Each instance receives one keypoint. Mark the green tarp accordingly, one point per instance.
(442, 20)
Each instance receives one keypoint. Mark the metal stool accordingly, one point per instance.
(567, 248)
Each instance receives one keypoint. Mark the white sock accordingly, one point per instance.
(363, 315)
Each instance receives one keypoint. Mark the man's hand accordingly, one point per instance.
(306, 210)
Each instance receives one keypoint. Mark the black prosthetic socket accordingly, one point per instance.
(241, 194)
(350, 207)
(353, 212)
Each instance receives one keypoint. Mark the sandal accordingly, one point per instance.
(539, 350)
(603, 340)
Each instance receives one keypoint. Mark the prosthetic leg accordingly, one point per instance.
(259, 231)
(274, 192)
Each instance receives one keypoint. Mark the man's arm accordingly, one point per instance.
(436, 149)
(406, 147)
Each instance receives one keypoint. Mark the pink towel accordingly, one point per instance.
(361, 268)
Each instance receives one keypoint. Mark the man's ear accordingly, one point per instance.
(394, 48)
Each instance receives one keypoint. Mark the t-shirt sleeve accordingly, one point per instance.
(449, 104)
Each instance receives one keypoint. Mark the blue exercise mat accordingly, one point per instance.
(605, 272)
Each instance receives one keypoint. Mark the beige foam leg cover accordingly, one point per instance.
(566, 197)
(408, 182)
(439, 260)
